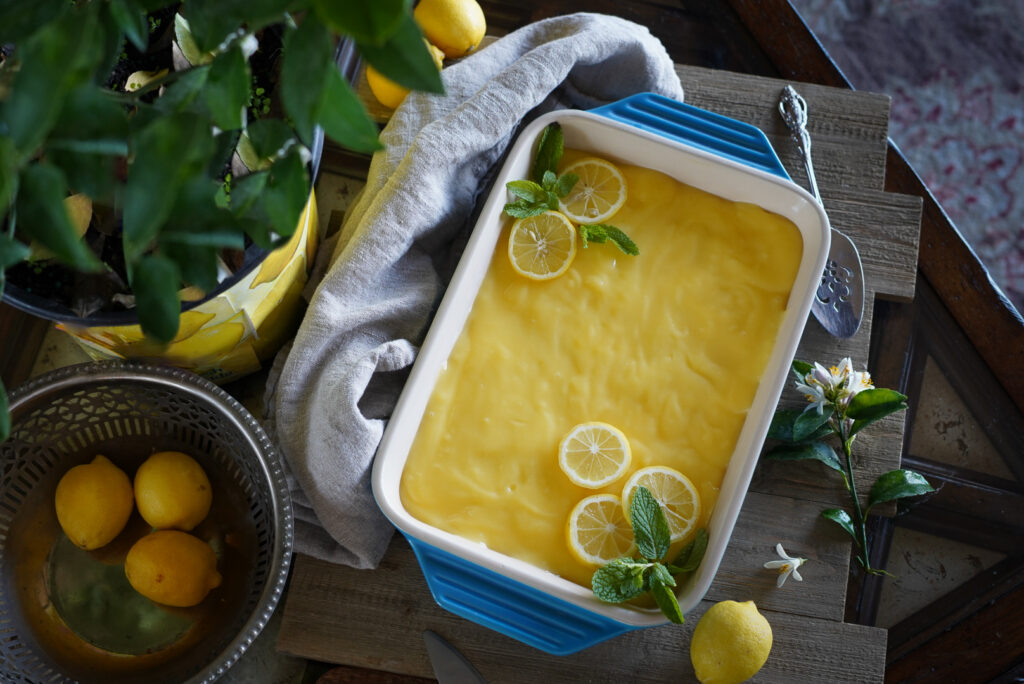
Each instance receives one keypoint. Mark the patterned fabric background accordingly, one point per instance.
(955, 71)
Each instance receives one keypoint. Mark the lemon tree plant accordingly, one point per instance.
(127, 179)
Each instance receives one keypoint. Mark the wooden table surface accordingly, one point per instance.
(334, 614)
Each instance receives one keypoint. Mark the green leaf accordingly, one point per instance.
(659, 573)
(246, 191)
(367, 22)
(307, 58)
(268, 136)
(404, 58)
(809, 423)
(12, 251)
(618, 581)
(344, 118)
(523, 209)
(693, 553)
(801, 451)
(552, 201)
(155, 282)
(621, 240)
(549, 151)
(90, 141)
(286, 193)
(8, 173)
(802, 368)
(210, 22)
(871, 405)
(167, 152)
(781, 427)
(602, 232)
(650, 528)
(228, 89)
(5, 414)
(187, 42)
(527, 190)
(897, 484)
(667, 602)
(179, 96)
(54, 60)
(131, 19)
(43, 216)
(548, 180)
(565, 183)
(841, 518)
(20, 19)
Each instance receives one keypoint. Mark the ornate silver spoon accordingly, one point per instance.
(839, 302)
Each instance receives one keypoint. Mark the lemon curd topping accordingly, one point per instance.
(668, 346)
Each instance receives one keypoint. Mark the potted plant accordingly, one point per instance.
(144, 192)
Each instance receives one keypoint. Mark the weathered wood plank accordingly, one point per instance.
(375, 619)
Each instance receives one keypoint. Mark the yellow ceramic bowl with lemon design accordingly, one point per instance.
(232, 334)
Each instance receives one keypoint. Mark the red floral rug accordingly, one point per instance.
(955, 71)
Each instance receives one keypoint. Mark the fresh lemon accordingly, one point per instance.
(542, 247)
(389, 93)
(173, 568)
(93, 502)
(594, 454)
(597, 195)
(172, 491)
(673, 490)
(730, 643)
(455, 26)
(598, 531)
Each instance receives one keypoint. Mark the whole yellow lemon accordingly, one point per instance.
(455, 26)
(172, 491)
(173, 568)
(93, 502)
(389, 93)
(730, 643)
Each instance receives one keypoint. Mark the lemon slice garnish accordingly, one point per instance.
(542, 247)
(597, 195)
(598, 531)
(594, 454)
(673, 490)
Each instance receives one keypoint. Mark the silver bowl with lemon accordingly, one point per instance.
(146, 527)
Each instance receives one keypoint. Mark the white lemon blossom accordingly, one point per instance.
(786, 567)
(836, 385)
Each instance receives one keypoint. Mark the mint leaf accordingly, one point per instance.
(693, 553)
(650, 528)
(618, 581)
(602, 232)
(549, 179)
(565, 183)
(552, 201)
(527, 190)
(522, 209)
(549, 152)
(666, 600)
(659, 573)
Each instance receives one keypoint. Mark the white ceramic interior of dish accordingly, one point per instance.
(616, 142)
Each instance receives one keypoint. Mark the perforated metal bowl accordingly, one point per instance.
(127, 411)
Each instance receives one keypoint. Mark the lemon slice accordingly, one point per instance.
(542, 247)
(597, 195)
(673, 490)
(598, 531)
(594, 454)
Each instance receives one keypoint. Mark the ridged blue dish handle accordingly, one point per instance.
(510, 607)
(700, 128)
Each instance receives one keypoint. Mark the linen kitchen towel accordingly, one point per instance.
(335, 386)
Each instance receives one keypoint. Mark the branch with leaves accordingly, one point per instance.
(842, 402)
(625, 579)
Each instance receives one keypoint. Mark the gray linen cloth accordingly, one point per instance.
(397, 247)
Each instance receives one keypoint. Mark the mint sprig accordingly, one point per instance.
(541, 194)
(624, 579)
(602, 232)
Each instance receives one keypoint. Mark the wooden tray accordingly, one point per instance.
(375, 619)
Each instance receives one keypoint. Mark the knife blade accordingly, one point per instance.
(450, 666)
